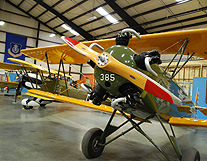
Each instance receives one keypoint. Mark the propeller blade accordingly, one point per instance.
(109, 63)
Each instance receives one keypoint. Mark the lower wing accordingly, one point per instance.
(4, 84)
(62, 98)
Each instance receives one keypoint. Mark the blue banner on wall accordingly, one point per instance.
(14, 44)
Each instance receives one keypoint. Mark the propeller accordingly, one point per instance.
(109, 63)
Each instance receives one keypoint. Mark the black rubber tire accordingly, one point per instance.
(90, 147)
(190, 154)
(28, 107)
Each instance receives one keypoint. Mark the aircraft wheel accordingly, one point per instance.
(191, 154)
(90, 147)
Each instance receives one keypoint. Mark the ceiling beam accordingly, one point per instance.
(20, 3)
(161, 19)
(32, 7)
(112, 13)
(101, 17)
(177, 22)
(72, 7)
(8, 1)
(82, 32)
(83, 14)
(126, 17)
(144, 13)
(203, 9)
(58, 2)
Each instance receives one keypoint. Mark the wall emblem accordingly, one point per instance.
(15, 49)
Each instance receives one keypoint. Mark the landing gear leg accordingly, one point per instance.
(94, 140)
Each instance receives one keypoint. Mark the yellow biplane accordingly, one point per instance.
(135, 83)
(31, 76)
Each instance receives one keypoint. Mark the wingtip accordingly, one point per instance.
(63, 37)
(70, 41)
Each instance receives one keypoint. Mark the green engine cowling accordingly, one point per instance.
(111, 81)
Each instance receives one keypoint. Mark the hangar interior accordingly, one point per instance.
(55, 132)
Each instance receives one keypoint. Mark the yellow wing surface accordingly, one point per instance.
(9, 66)
(37, 67)
(165, 43)
(4, 84)
(62, 98)
(71, 100)
(186, 121)
(38, 96)
(183, 121)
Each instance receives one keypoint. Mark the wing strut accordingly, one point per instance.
(182, 50)
(61, 64)
(185, 43)
(183, 65)
(48, 65)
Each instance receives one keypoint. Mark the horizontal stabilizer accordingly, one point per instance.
(201, 109)
(186, 109)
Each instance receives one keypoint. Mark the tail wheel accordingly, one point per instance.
(90, 143)
(191, 154)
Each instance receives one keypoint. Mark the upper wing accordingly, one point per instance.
(54, 54)
(34, 66)
(165, 43)
(170, 42)
(9, 66)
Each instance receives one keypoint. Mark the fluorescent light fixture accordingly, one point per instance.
(91, 18)
(52, 35)
(65, 27)
(2, 23)
(102, 11)
(70, 29)
(182, 1)
(107, 15)
(111, 19)
(74, 32)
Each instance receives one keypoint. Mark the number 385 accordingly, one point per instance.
(107, 77)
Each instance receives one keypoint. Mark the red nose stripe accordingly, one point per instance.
(70, 41)
(157, 91)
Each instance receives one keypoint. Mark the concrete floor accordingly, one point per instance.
(55, 133)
